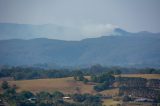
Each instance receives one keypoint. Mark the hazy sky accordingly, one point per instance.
(131, 15)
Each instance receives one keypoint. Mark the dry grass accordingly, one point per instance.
(68, 85)
(110, 102)
(147, 76)
(111, 92)
(138, 104)
(65, 85)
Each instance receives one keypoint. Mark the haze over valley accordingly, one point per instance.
(117, 48)
(79, 53)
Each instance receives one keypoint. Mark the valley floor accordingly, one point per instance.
(70, 86)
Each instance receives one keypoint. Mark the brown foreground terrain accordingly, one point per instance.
(65, 85)
(70, 86)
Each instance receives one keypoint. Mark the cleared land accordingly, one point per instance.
(147, 76)
(110, 92)
(110, 102)
(65, 85)
(69, 85)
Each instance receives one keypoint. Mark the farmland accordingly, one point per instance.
(147, 76)
(69, 85)
(65, 85)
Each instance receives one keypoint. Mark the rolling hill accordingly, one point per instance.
(122, 48)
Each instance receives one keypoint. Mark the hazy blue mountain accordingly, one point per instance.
(28, 31)
(130, 49)
(25, 31)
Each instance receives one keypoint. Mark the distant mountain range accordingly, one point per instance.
(28, 31)
(126, 49)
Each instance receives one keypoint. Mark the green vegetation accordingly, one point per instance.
(21, 73)
(105, 81)
(101, 86)
(81, 87)
(4, 85)
(79, 76)
(27, 98)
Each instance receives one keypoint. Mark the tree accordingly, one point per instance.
(5, 85)
(10, 93)
(57, 94)
(43, 95)
(85, 80)
(103, 77)
(78, 97)
(93, 78)
(78, 75)
(102, 86)
(26, 94)
(126, 98)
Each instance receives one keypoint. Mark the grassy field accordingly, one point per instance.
(65, 85)
(68, 85)
(110, 92)
(110, 102)
(138, 104)
(147, 76)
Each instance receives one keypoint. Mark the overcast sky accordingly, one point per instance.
(131, 15)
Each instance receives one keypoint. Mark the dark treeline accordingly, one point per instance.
(101, 81)
(104, 81)
(19, 73)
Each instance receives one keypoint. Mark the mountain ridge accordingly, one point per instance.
(134, 50)
(51, 31)
(120, 48)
